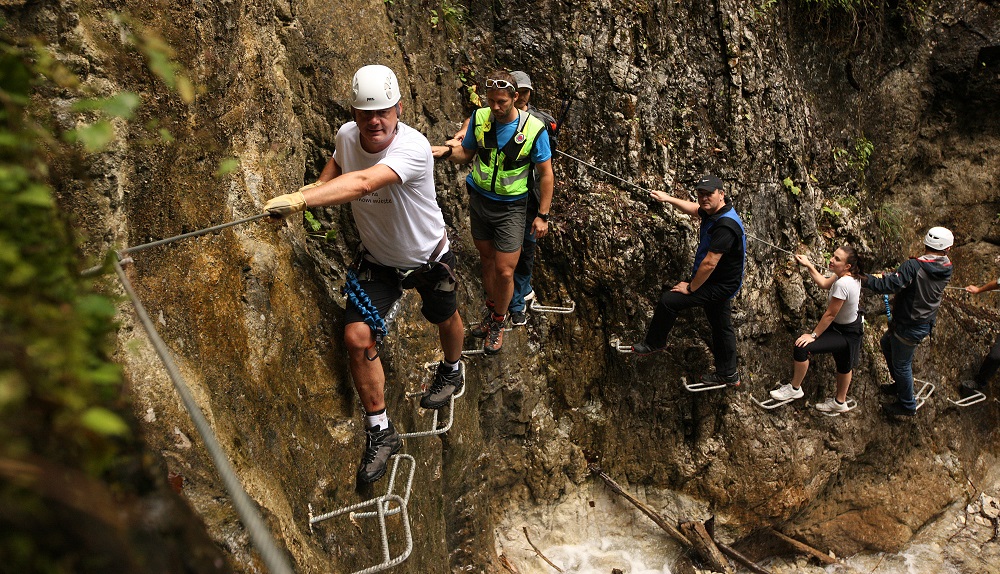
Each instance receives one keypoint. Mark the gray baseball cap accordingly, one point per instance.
(522, 79)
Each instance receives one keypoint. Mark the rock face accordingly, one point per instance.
(826, 127)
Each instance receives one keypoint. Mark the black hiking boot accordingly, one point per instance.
(732, 381)
(896, 409)
(518, 318)
(888, 390)
(379, 446)
(644, 349)
(970, 388)
(447, 383)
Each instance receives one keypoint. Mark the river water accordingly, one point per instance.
(592, 531)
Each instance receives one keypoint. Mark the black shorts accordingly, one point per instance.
(437, 288)
(501, 222)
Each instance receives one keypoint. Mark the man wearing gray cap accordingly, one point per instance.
(522, 273)
(716, 277)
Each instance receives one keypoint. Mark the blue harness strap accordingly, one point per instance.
(888, 310)
(357, 296)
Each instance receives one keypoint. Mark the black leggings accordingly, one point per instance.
(990, 365)
(831, 341)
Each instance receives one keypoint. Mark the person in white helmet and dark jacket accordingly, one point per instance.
(919, 287)
(385, 170)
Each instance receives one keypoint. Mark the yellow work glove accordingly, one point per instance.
(285, 205)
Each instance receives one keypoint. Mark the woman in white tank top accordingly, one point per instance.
(838, 331)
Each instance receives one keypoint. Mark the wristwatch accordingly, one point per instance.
(814, 335)
(543, 216)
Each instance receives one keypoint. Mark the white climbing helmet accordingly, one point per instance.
(939, 238)
(375, 88)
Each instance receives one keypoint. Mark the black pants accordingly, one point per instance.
(718, 309)
(990, 365)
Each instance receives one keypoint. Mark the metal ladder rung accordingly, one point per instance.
(434, 419)
(770, 403)
(616, 344)
(925, 392)
(970, 400)
(383, 508)
(700, 387)
(538, 307)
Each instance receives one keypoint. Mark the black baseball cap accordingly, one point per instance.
(708, 182)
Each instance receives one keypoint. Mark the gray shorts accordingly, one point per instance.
(501, 222)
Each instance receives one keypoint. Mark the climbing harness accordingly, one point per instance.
(383, 508)
(357, 296)
(260, 535)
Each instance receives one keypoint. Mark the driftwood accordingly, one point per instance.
(805, 548)
(659, 520)
(705, 546)
(719, 564)
(739, 557)
(539, 552)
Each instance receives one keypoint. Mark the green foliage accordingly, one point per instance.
(890, 222)
(850, 6)
(58, 392)
(227, 166)
(312, 224)
(314, 228)
(790, 185)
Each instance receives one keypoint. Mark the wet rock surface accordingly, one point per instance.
(661, 93)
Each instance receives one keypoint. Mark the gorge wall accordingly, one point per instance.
(883, 123)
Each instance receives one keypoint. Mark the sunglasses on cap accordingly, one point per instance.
(500, 84)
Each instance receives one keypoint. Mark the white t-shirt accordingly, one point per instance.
(849, 289)
(400, 224)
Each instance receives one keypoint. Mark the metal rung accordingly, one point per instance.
(434, 419)
(969, 400)
(470, 352)
(536, 306)
(770, 402)
(851, 405)
(700, 387)
(383, 508)
(924, 393)
(616, 344)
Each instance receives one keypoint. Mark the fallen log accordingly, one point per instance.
(705, 546)
(805, 548)
(675, 533)
(659, 520)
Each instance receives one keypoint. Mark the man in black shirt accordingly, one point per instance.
(715, 279)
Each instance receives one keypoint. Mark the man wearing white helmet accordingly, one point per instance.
(919, 287)
(384, 169)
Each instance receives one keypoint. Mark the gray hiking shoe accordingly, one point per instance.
(518, 318)
(447, 383)
(379, 446)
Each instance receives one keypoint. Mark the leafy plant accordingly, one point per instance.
(790, 185)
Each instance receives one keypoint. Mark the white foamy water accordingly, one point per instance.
(592, 531)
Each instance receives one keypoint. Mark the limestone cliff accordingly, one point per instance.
(828, 127)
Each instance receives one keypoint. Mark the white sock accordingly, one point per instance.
(452, 366)
(377, 420)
